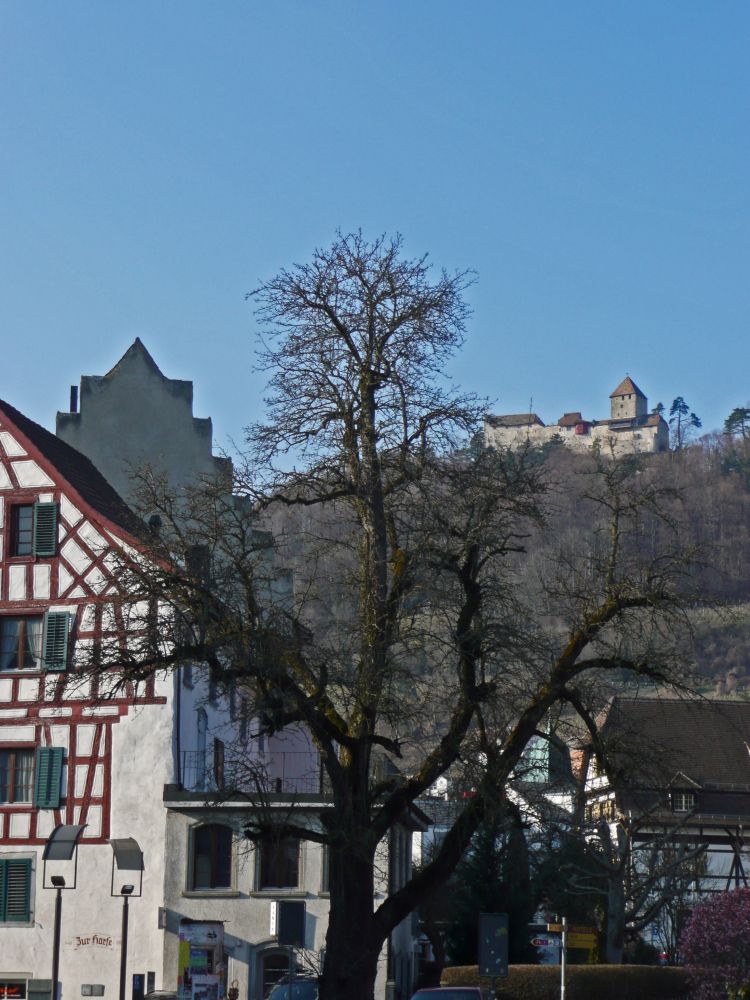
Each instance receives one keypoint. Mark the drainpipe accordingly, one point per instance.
(178, 725)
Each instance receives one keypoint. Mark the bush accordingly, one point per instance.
(584, 982)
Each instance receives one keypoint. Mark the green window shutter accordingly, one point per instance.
(56, 626)
(45, 529)
(39, 989)
(15, 890)
(49, 764)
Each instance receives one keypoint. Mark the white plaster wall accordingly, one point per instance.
(645, 440)
(141, 765)
(245, 912)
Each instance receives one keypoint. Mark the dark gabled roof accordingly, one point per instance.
(652, 741)
(514, 420)
(78, 471)
(626, 387)
(570, 419)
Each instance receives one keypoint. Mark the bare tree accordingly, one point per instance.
(416, 632)
(639, 874)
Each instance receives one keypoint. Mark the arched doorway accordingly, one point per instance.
(273, 965)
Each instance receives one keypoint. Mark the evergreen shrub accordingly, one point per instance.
(584, 982)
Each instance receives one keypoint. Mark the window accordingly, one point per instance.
(279, 863)
(274, 967)
(325, 868)
(33, 643)
(22, 529)
(33, 529)
(20, 643)
(12, 989)
(683, 802)
(212, 857)
(15, 890)
(219, 755)
(16, 775)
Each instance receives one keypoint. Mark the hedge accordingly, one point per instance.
(583, 982)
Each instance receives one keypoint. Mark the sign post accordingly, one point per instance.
(563, 950)
(493, 946)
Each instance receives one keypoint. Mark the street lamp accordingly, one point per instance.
(127, 856)
(61, 845)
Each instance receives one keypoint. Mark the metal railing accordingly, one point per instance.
(259, 773)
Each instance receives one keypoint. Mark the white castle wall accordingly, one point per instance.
(645, 439)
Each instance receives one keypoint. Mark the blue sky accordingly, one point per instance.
(588, 159)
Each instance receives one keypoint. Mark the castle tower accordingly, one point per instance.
(628, 402)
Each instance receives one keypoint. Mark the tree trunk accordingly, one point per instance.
(352, 947)
(615, 918)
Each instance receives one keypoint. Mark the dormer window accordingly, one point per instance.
(683, 802)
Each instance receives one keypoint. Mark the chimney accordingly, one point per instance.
(74, 399)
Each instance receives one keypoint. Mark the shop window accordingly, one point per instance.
(15, 890)
(16, 775)
(202, 961)
(12, 989)
(279, 863)
(212, 857)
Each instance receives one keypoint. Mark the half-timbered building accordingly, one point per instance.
(72, 750)
(143, 760)
(681, 768)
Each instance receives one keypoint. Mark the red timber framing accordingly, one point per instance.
(39, 709)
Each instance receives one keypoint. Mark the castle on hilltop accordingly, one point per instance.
(629, 429)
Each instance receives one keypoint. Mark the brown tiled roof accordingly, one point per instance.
(514, 420)
(570, 419)
(78, 471)
(626, 387)
(653, 739)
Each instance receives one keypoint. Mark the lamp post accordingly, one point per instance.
(58, 883)
(126, 856)
(61, 846)
(125, 892)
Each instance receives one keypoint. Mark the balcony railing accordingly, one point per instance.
(253, 774)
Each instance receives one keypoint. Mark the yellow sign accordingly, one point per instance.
(572, 929)
(587, 941)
